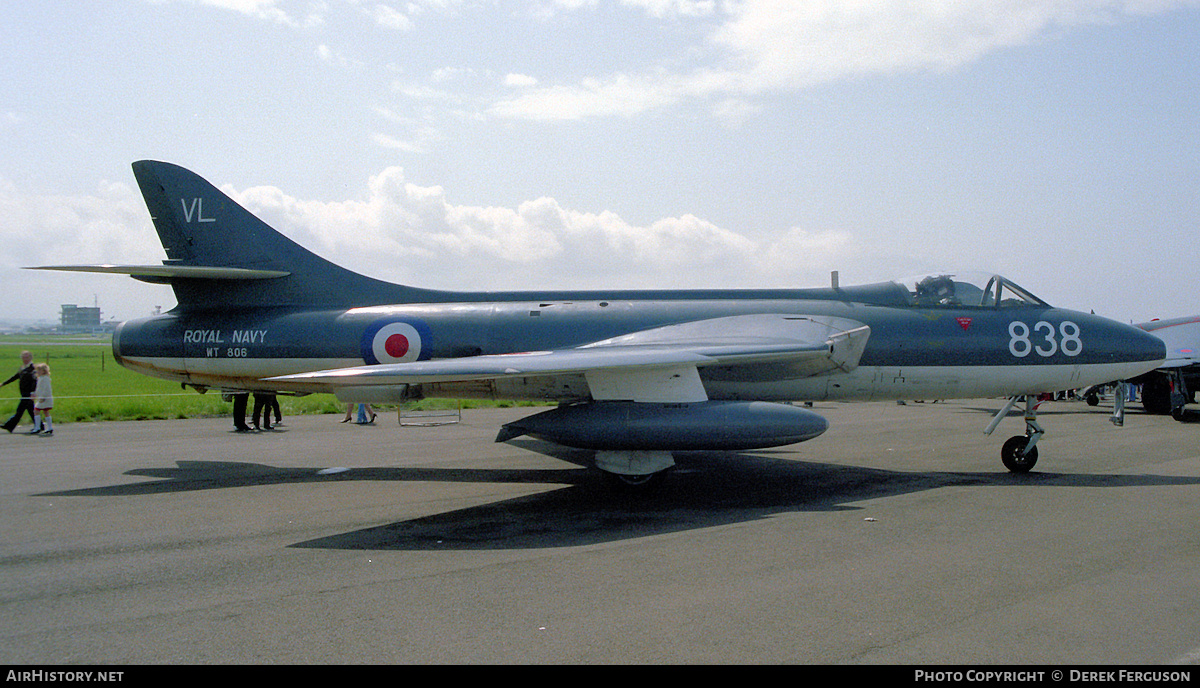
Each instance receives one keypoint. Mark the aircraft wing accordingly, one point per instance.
(1181, 337)
(659, 364)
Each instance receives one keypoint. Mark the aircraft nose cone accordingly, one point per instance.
(1131, 351)
(1107, 341)
(1144, 346)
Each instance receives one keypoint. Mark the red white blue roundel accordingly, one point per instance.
(396, 341)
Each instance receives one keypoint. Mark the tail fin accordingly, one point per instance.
(200, 227)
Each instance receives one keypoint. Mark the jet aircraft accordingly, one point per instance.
(1169, 388)
(637, 375)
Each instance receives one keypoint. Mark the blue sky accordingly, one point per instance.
(490, 144)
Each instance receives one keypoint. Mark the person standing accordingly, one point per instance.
(27, 383)
(43, 399)
(264, 403)
(275, 405)
(240, 400)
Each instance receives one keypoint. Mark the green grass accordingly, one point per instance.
(90, 386)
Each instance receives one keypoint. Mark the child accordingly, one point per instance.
(43, 400)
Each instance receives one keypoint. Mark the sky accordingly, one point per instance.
(559, 144)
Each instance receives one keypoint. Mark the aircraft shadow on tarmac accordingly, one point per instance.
(706, 489)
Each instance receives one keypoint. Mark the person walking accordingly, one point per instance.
(27, 383)
(364, 410)
(43, 400)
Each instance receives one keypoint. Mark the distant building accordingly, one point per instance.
(79, 318)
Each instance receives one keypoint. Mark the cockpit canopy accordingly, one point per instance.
(955, 290)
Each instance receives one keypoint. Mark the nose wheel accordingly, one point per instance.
(1019, 454)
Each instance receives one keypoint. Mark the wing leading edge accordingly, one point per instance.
(165, 273)
(655, 365)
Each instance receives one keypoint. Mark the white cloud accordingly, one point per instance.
(827, 249)
(59, 229)
(409, 233)
(270, 10)
(391, 18)
(422, 92)
(654, 8)
(109, 225)
(415, 234)
(417, 135)
(330, 56)
(763, 46)
(743, 49)
(621, 95)
(395, 143)
(790, 44)
(574, 4)
(674, 8)
(519, 80)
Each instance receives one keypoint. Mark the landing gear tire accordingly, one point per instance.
(637, 483)
(1012, 458)
(1156, 395)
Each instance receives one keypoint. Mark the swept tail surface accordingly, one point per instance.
(201, 227)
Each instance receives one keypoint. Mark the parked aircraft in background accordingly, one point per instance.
(637, 374)
(1169, 388)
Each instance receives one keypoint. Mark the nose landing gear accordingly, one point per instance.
(1020, 453)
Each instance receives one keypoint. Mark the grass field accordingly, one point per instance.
(90, 386)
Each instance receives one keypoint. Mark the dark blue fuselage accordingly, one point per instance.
(946, 351)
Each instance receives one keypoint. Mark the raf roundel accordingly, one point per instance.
(396, 342)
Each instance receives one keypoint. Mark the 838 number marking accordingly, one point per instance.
(1050, 340)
